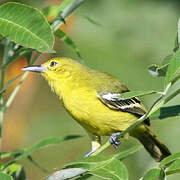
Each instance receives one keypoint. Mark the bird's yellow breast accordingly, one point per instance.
(85, 106)
(77, 86)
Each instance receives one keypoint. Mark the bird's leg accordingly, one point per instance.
(114, 140)
(96, 143)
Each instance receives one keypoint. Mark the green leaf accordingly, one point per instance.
(16, 171)
(176, 42)
(174, 168)
(63, 36)
(41, 144)
(26, 26)
(132, 94)
(157, 71)
(9, 83)
(91, 162)
(154, 174)
(51, 11)
(36, 164)
(115, 170)
(92, 21)
(127, 153)
(173, 67)
(84, 177)
(11, 153)
(104, 167)
(4, 176)
(128, 95)
(169, 159)
(166, 112)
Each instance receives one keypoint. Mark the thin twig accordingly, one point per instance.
(3, 69)
(16, 89)
(66, 12)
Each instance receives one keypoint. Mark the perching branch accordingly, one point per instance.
(152, 109)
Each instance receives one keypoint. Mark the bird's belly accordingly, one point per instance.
(97, 118)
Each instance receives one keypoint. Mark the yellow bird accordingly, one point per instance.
(90, 97)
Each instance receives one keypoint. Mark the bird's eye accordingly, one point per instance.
(53, 63)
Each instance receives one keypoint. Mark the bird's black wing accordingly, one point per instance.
(133, 105)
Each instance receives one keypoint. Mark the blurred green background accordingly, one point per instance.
(132, 36)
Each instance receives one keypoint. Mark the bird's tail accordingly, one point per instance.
(151, 143)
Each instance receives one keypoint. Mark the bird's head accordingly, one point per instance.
(56, 68)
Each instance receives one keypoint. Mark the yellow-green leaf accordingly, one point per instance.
(26, 26)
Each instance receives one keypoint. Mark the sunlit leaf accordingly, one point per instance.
(26, 26)
(63, 36)
(4, 176)
(154, 174)
(51, 11)
(122, 155)
(115, 170)
(90, 162)
(16, 171)
(9, 83)
(174, 168)
(169, 159)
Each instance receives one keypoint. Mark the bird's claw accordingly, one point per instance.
(90, 153)
(114, 140)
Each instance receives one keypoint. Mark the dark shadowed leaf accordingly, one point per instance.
(4, 176)
(84, 177)
(9, 83)
(166, 112)
(154, 174)
(26, 26)
(92, 21)
(63, 36)
(36, 164)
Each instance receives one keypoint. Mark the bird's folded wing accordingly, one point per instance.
(113, 101)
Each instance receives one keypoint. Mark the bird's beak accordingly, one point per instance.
(35, 68)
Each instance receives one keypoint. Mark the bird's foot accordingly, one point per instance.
(90, 153)
(114, 140)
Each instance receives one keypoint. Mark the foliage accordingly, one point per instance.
(26, 32)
